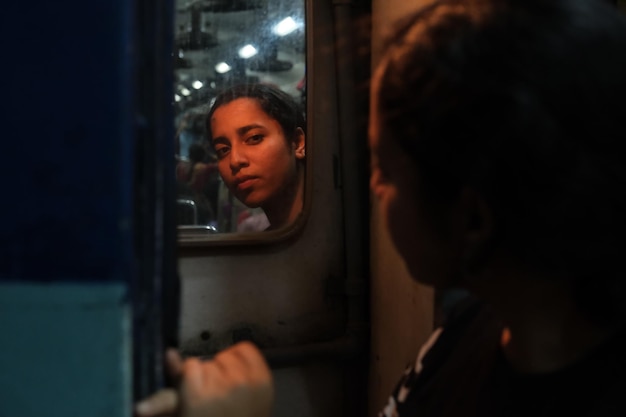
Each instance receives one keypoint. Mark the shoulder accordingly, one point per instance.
(432, 356)
(457, 329)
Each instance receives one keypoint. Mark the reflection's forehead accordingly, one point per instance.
(239, 116)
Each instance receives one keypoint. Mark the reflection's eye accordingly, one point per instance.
(221, 151)
(253, 140)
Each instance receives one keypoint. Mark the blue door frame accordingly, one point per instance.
(88, 289)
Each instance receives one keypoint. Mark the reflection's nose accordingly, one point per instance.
(238, 158)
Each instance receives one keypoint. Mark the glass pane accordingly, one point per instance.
(219, 45)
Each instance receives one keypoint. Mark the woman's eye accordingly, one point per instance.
(252, 140)
(222, 152)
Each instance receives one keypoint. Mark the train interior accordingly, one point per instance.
(108, 256)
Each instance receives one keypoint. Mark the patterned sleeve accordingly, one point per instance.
(407, 381)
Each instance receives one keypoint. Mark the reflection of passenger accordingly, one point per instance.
(190, 130)
(199, 170)
(257, 132)
(198, 179)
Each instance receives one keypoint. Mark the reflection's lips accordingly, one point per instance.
(245, 181)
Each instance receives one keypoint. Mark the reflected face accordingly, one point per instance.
(395, 182)
(255, 159)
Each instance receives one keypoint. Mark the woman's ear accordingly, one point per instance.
(299, 142)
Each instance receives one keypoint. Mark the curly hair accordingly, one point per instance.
(525, 102)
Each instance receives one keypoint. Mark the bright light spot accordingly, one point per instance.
(213, 85)
(184, 91)
(197, 84)
(247, 51)
(285, 26)
(222, 67)
(181, 53)
(176, 98)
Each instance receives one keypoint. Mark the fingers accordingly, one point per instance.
(239, 365)
(173, 363)
(193, 384)
(162, 403)
(236, 383)
(251, 361)
(232, 366)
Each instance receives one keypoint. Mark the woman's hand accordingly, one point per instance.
(236, 383)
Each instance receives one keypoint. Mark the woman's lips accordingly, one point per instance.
(245, 183)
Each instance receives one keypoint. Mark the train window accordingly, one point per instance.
(243, 171)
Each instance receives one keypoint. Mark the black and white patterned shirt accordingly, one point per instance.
(462, 371)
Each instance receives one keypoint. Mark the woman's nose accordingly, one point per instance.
(238, 158)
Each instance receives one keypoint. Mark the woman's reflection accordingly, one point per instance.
(257, 132)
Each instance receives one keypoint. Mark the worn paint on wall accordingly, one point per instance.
(401, 309)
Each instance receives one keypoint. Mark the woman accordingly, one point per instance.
(497, 137)
(198, 179)
(502, 172)
(257, 132)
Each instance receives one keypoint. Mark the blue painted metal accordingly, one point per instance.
(66, 350)
(68, 234)
(66, 159)
(86, 176)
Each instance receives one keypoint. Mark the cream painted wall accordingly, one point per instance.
(401, 309)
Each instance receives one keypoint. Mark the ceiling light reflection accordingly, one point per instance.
(248, 51)
(285, 26)
(222, 67)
